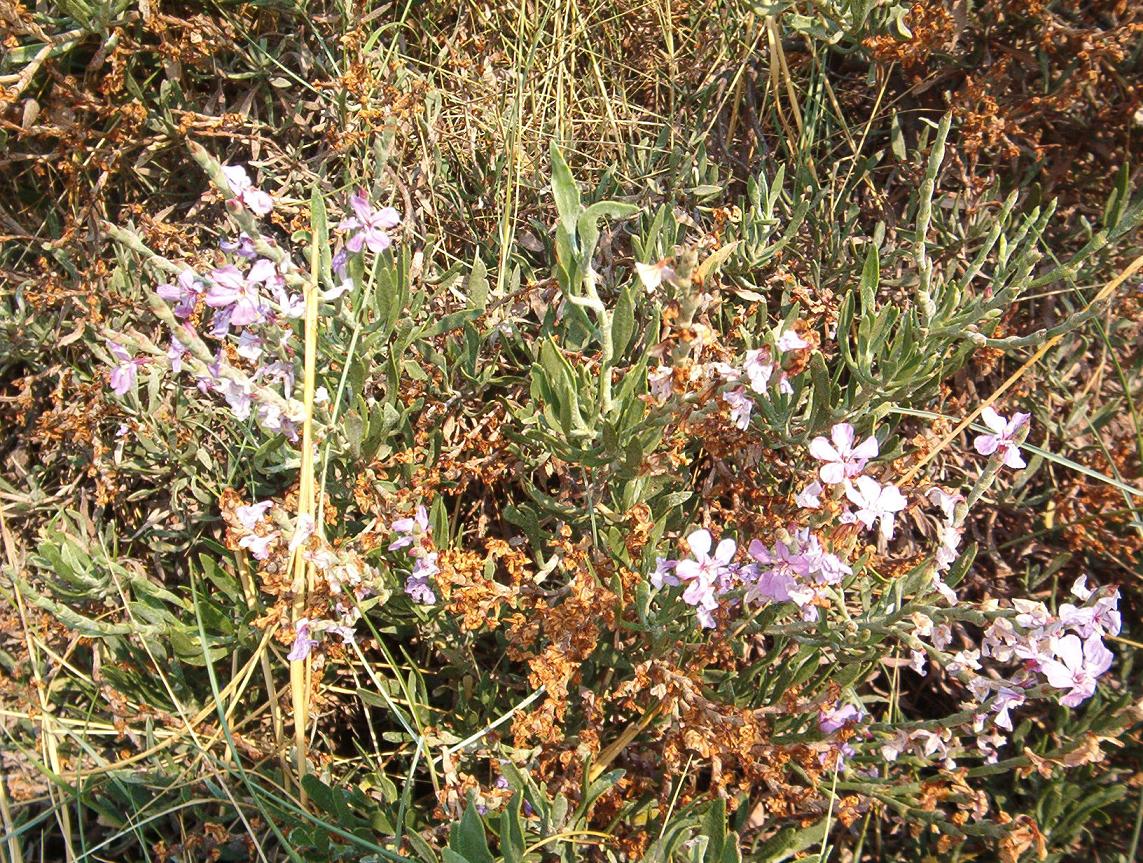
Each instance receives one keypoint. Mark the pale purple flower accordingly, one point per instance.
(659, 382)
(788, 340)
(303, 530)
(340, 263)
(663, 573)
(806, 597)
(258, 546)
(875, 502)
(304, 643)
(942, 636)
(370, 225)
(652, 275)
(947, 502)
(419, 590)
(942, 587)
(279, 370)
(243, 247)
(185, 294)
(1080, 590)
(917, 661)
(249, 516)
(758, 369)
(824, 566)
(1006, 699)
(777, 574)
(784, 386)
(1003, 437)
(1105, 613)
(809, 497)
(238, 397)
(122, 377)
(837, 718)
(842, 459)
(291, 305)
(270, 418)
(258, 202)
(425, 566)
(1075, 665)
(1077, 618)
(230, 290)
(703, 574)
(175, 354)
(345, 632)
(948, 550)
(409, 528)
(1000, 640)
(249, 346)
(740, 407)
(964, 660)
(1032, 615)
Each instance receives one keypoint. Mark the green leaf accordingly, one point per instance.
(319, 223)
(870, 279)
(477, 287)
(623, 320)
(512, 830)
(821, 397)
(565, 192)
(467, 837)
(714, 828)
(713, 263)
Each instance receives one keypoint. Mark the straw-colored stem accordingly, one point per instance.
(299, 670)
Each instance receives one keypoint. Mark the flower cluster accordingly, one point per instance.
(414, 534)
(260, 529)
(251, 300)
(797, 569)
(758, 370)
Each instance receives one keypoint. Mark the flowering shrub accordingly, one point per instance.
(688, 527)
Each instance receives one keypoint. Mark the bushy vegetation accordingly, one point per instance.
(679, 431)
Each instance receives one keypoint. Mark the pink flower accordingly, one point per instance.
(371, 225)
(1003, 438)
(659, 383)
(249, 516)
(232, 292)
(652, 275)
(1005, 700)
(740, 407)
(122, 377)
(837, 718)
(302, 531)
(875, 502)
(917, 661)
(175, 354)
(410, 529)
(663, 573)
(842, 459)
(809, 497)
(258, 546)
(243, 247)
(1075, 666)
(788, 340)
(255, 200)
(758, 369)
(185, 295)
(303, 642)
(704, 572)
